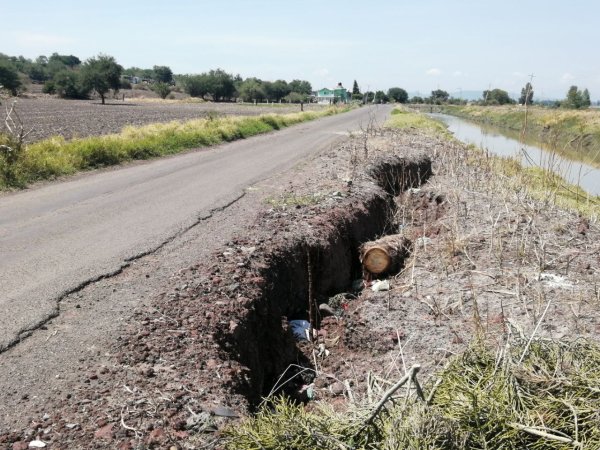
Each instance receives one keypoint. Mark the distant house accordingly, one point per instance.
(339, 94)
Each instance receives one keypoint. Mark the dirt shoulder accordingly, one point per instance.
(213, 338)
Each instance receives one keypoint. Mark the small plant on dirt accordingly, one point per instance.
(12, 146)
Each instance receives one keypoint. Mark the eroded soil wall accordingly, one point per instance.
(329, 251)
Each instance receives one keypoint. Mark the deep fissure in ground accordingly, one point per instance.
(312, 267)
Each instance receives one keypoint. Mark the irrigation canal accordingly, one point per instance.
(503, 143)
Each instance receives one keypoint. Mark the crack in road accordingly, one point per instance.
(27, 332)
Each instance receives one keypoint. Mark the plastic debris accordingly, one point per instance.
(358, 285)
(381, 285)
(555, 281)
(37, 444)
(300, 329)
(223, 411)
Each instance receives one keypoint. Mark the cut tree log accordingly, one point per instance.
(385, 255)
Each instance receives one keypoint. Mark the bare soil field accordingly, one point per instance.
(80, 118)
(483, 259)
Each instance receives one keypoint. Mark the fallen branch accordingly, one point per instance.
(410, 376)
(541, 432)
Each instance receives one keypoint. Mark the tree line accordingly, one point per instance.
(69, 77)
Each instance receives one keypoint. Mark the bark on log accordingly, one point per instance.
(384, 255)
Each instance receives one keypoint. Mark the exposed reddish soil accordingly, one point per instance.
(215, 341)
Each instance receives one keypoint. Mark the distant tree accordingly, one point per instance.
(162, 89)
(66, 60)
(577, 99)
(9, 77)
(496, 97)
(439, 96)
(369, 96)
(221, 85)
(585, 99)
(573, 99)
(38, 73)
(358, 96)
(162, 74)
(397, 94)
(277, 90)
(41, 60)
(300, 86)
(355, 89)
(416, 99)
(251, 90)
(296, 97)
(457, 101)
(196, 85)
(526, 95)
(68, 84)
(101, 74)
(381, 97)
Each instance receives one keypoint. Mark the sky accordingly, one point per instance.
(419, 45)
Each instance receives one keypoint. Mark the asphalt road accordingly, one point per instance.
(56, 238)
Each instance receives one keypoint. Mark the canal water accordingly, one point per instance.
(500, 142)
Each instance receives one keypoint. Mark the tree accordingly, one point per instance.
(162, 89)
(381, 97)
(37, 73)
(526, 97)
(576, 99)
(300, 87)
(573, 98)
(68, 84)
(251, 90)
(101, 73)
(277, 90)
(439, 96)
(397, 94)
(9, 78)
(496, 97)
(355, 89)
(585, 99)
(296, 97)
(220, 84)
(369, 96)
(163, 74)
(416, 99)
(66, 60)
(195, 85)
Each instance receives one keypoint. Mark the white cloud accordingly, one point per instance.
(434, 72)
(457, 73)
(567, 77)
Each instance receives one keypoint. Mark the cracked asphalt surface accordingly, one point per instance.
(62, 243)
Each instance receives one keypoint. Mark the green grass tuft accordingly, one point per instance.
(539, 395)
